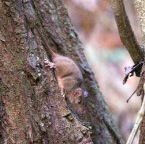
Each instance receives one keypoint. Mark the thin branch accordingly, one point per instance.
(126, 33)
(138, 121)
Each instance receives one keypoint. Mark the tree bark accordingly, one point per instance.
(129, 40)
(31, 107)
(140, 8)
(126, 33)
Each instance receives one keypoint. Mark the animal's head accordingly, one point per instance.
(76, 100)
(77, 95)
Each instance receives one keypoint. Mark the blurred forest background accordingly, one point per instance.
(95, 25)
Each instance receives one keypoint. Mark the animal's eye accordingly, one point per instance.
(79, 101)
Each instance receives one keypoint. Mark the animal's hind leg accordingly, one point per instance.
(48, 63)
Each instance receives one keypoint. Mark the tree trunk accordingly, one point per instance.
(126, 33)
(140, 8)
(31, 107)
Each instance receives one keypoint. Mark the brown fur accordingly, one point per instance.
(68, 75)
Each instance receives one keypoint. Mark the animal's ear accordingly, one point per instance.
(78, 92)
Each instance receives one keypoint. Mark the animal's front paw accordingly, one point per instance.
(48, 63)
(63, 93)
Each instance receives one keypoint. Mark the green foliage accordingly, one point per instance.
(20, 63)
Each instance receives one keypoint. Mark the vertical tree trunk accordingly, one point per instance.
(140, 8)
(31, 107)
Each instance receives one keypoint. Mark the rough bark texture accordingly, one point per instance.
(126, 33)
(140, 8)
(31, 108)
